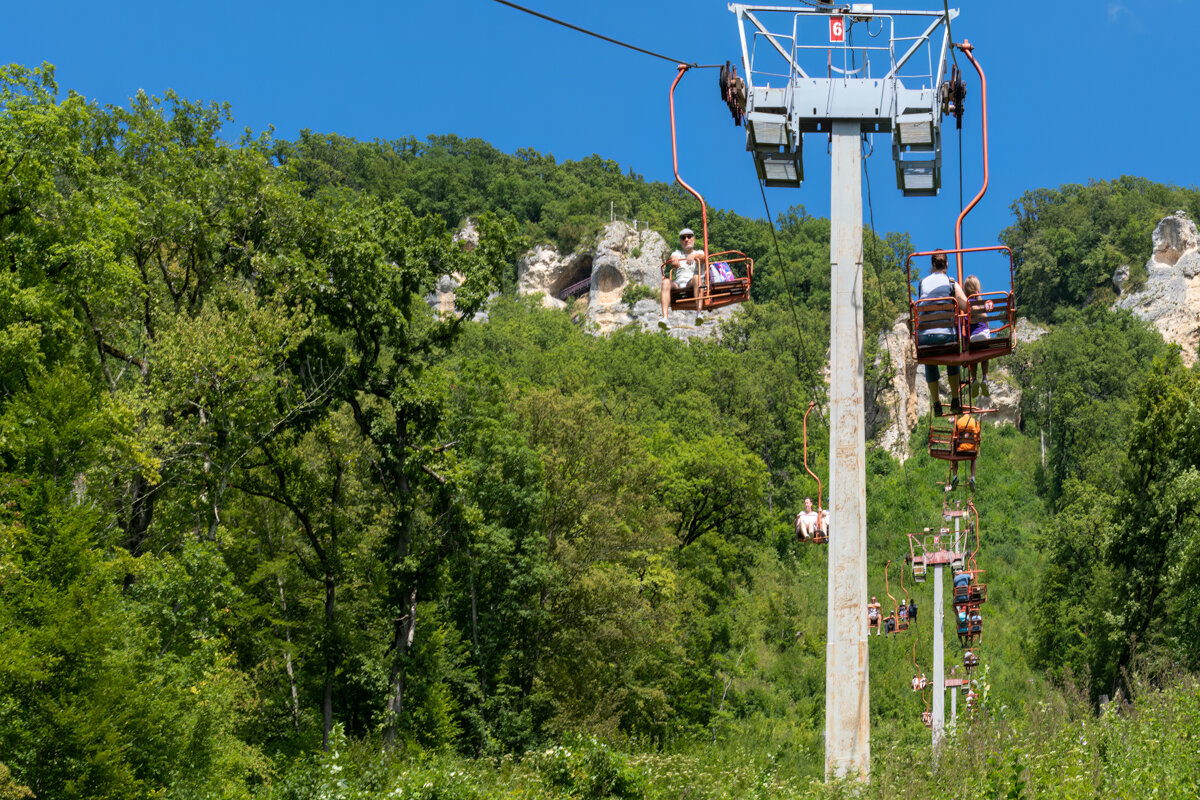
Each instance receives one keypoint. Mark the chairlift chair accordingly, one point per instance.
(974, 593)
(707, 294)
(820, 536)
(950, 440)
(918, 566)
(903, 622)
(887, 589)
(995, 309)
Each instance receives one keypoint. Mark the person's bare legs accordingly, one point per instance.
(667, 286)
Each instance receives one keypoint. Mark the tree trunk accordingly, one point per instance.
(330, 662)
(475, 633)
(332, 645)
(141, 512)
(406, 623)
(406, 628)
(287, 657)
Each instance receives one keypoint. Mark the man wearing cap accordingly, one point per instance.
(687, 261)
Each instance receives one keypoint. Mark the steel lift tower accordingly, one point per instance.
(806, 73)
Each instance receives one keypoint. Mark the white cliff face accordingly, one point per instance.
(620, 256)
(538, 271)
(1170, 298)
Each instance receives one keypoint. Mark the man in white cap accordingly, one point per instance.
(687, 261)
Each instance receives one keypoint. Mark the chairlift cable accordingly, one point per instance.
(791, 299)
(609, 39)
(960, 172)
(954, 58)
(883, 309)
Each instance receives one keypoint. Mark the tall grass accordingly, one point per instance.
(1054, 748)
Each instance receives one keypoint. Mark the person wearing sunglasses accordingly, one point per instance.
(687, 261)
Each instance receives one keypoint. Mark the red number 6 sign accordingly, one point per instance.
(837, 29)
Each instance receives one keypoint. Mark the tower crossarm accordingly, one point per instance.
(809, 68)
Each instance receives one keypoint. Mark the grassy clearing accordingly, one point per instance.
(1056, 748)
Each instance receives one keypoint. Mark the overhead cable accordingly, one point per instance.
(787, 282)
(608, 39)
(883, 310)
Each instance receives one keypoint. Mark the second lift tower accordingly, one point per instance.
(805, 74)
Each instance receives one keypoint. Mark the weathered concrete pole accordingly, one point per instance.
(847, 691)
(939, 659)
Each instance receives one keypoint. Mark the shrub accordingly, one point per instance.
(592, 771)
(638, 291)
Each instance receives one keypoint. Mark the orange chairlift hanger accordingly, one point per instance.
(707, 293)
(995, 309)
(820, 536)
(887, 589)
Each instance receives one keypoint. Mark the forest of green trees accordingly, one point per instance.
(271, 528)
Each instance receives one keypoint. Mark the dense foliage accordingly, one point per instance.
(1068, 242)
(270, 526)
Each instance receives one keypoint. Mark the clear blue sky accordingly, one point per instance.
(1080, 89)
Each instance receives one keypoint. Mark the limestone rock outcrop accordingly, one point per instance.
(1170, 297)
(621, 255)
(543, 271)
(597, 274)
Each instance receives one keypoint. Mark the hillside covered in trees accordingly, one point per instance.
(270, 527)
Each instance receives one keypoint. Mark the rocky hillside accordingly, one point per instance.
(1170, 297)
(598, 276)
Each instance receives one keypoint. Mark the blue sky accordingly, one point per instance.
(1079, 89)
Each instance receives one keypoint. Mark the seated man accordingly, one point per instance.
(687, 261)
(889, 624)
(934, 285)
(912, 610)
(807, 521)
(873, 608)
